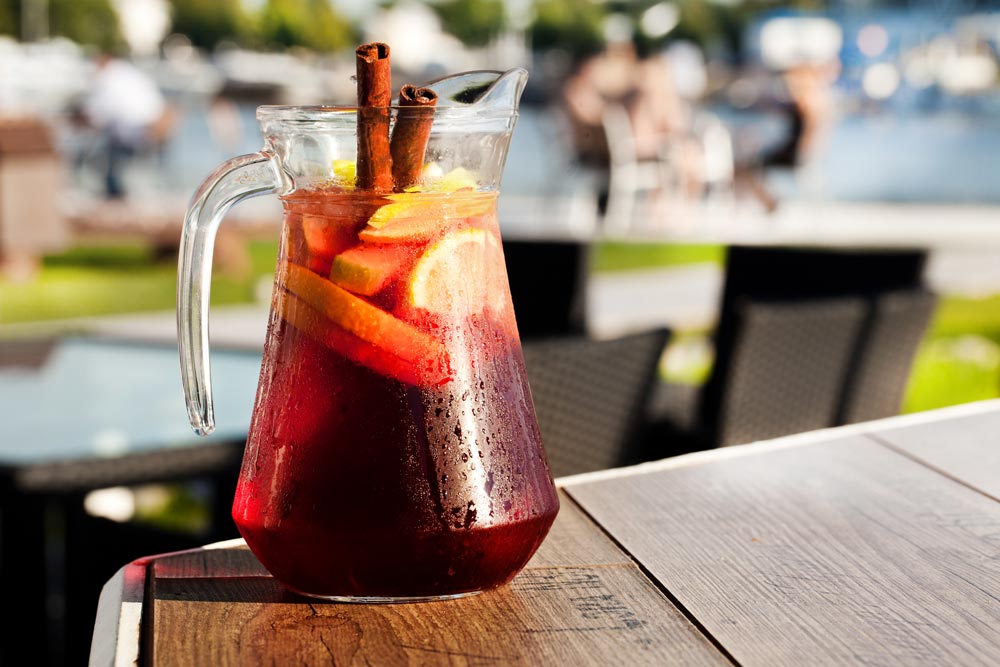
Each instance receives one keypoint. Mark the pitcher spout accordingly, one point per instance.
(486, 89)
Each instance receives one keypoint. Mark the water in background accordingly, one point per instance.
(905, 156)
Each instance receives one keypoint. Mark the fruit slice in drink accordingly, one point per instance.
(314, 240)
(461, 273)
(367, 269)
(452, 274)
(374, 334)
(418, 217)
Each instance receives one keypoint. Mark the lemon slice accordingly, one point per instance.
(345, 172)
(452, 274)
(416, 217)
(405, 206)
(457, 179)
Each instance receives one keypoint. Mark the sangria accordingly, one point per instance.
(394, 451)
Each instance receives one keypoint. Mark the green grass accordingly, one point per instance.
(960, 359)
(953, 370)
(958, 316)
(116, 279)
(628, 256)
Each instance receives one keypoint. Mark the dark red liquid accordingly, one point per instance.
(357, 483)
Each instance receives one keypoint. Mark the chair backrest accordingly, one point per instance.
(896, 325)
(548, 281)
(589, 396)
(783, 369)
(801, 333)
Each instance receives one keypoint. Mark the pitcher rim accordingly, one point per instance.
(321, 113)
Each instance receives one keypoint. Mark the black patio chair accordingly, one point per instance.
(807, 339)
(590, 396)
(894, 329)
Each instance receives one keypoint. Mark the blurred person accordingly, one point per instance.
(597, 81)
(129, 110)
(805, 99)
(644, 87)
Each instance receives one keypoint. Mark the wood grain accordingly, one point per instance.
(580, 601)
(966, 448)
(574, 540)
(237, 562)
(840, 552)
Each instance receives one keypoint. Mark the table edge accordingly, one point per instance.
(796, 440)
(118, 627)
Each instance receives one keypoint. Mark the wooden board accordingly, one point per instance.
(965, 448)
(581, 601)
(841, 552)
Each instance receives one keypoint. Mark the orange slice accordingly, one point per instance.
(391, 336)
(309, 321)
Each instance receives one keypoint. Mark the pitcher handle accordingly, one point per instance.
(238, 179)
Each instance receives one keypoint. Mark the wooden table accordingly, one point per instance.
(875, 544)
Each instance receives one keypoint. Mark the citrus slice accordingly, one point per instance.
(391, 336)
(345, 172)
(410, 208)
(455, 273)
(455, 180)
(309, 321)
(414, 217)
(367, 269)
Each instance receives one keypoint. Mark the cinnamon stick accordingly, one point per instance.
(374, 97)
(410, 134)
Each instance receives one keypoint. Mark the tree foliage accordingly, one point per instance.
(8, 18)
(90, 22)
(93, 22)
(570, 25)
(474, 22)
(312, 24)
(208, 23)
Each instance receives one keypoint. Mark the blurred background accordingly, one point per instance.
(653, 136)
(118, 108)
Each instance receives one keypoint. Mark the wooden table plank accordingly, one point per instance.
(966, 448)
(580, 601)
(839, 552)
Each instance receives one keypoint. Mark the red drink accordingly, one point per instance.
(394, 451)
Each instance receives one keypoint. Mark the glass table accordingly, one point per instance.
(83, 413)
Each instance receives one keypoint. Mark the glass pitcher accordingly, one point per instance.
(393, 452)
